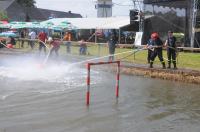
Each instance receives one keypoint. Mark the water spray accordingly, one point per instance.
(98, 58)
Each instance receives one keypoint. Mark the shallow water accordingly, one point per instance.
(52, 99)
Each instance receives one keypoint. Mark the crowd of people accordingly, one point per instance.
(52, 42)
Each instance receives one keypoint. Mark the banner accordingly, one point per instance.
(138, 38)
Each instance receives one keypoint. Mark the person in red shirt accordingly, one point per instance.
(42, 40)
(55, 46)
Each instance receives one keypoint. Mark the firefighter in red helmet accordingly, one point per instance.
(156, 48)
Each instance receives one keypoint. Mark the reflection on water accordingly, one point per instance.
(173, 98)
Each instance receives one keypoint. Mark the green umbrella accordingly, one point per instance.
(17, 25)
(4, 25)
(34, 25)
(14, 22)
(47, 24)
(65, 22)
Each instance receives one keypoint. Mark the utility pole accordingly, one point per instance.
(138, 5)
(194, 16)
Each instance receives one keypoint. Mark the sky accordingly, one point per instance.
(85, 7)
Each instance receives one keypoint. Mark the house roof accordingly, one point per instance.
(4, 4)
(17, 13)
(58, 14)
(35, 14)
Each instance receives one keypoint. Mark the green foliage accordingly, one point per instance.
(26, 3)
(3, 15)
(179, 37)
(56, 35)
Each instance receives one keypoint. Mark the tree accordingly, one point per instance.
(3, 15)
(26, 3)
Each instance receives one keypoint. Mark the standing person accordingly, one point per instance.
(55, 46)
(42, 40)
(83, 47)
(32, 36)
(22, 36)
(112, 41)
(68, 38)
(157, 45)
(11, 42)
(171, 49)
(149, 48)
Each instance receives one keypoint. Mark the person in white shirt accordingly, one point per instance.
(32, 36)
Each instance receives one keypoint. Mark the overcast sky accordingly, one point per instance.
(85, 7)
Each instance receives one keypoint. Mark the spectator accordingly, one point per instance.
(83, 47)
(42, 38)
(67, 38)
(32, 36)
(112, 41)
(22, 36)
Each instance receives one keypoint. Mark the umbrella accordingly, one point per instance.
(47, 24)
(4, 25)
(7, 34)
(17, 25)
(34, 25)
(65, 22)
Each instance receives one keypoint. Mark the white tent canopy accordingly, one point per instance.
(94, 23)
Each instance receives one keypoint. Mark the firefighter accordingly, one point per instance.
(149, 48)
(157, 45)
(170, 43)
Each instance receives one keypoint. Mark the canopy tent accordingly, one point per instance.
(4, 24)
(93, 23)
(74, 23)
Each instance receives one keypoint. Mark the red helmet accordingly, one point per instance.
(154, 35)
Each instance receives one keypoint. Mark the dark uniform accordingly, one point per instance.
(157, 51)
(149, 45)
(112, 41)
(22, 35)
(171, 51)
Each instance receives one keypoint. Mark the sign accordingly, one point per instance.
(138, 38)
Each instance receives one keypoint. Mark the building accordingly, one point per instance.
(104, 8)
(181, 16)
(16, 12)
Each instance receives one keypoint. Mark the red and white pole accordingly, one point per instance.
(88, 85)
(117, 79)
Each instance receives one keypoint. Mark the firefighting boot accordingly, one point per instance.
(151, 65)
(174, 65)
(169, 65)
(163, 65)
